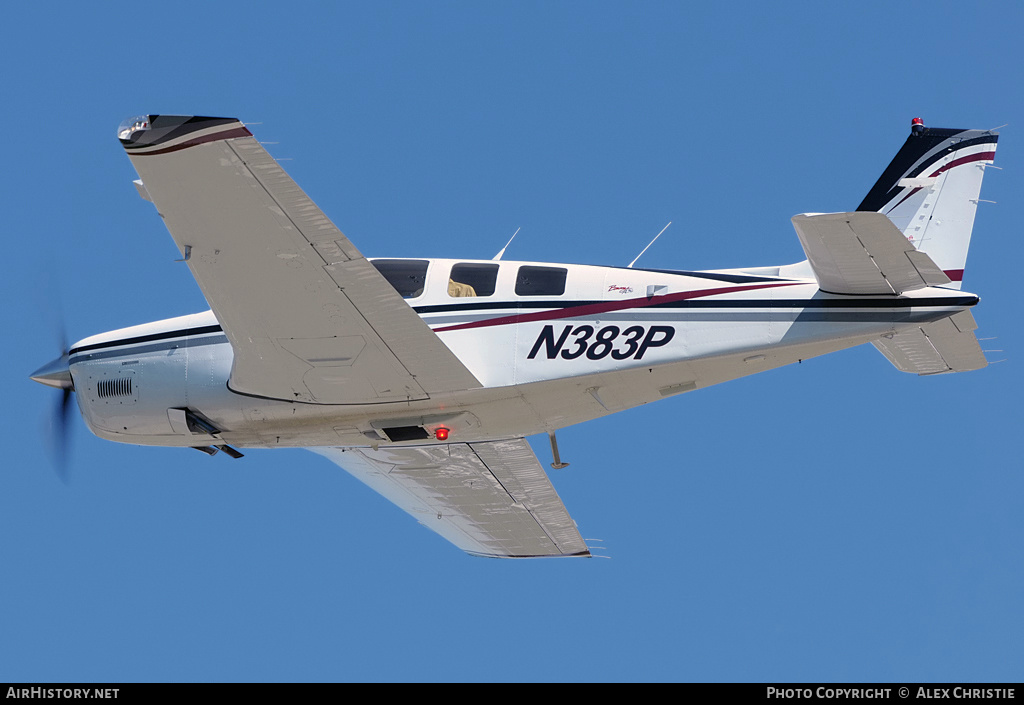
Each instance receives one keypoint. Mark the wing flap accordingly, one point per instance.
(489, 499)
(863, 253)
(948, 345)
(308, 317)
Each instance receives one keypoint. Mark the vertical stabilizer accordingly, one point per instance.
(930, 191)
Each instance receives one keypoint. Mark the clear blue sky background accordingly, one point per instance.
(836, 520)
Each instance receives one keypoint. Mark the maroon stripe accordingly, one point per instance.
(214, 137)
(979, 157)
(607, 306)
(956, 275)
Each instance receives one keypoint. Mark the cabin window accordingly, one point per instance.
(472, 279)
(540, 281)
(408, 276)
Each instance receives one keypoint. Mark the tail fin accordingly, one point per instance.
(930, 191)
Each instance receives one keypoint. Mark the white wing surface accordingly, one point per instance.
(948, 345)
(863, 253)
(308, 317)
(490, 499)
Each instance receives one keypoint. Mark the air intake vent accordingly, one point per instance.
(406, 433)
(114, 387)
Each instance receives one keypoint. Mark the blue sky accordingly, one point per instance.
(836, 520)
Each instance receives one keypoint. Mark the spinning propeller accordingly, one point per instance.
(58, 374)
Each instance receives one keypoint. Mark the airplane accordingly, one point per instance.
(423, 377)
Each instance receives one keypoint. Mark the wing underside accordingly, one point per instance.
(308, 317)
(490, 499)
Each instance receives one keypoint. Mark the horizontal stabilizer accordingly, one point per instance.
(948, 345)
(863, 253)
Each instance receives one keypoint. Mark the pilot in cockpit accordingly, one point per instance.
(457, 289)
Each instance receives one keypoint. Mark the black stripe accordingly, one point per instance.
(508, 308)
(148, 338)
(505, 307)
(714, 276)
(823, 303)
(143, 349)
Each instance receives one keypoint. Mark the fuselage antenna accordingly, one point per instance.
(498, 256)
(630, 266)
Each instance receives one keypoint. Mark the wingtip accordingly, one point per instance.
(158, 134)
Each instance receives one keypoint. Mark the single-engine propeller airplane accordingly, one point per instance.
(422, 377)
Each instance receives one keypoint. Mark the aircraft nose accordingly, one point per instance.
(56, 373)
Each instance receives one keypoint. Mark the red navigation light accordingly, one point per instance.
(441, 434)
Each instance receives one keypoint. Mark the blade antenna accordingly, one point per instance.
(498, 256)
(630, 266)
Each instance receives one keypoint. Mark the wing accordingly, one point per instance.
(863, 253)
(308, 317)
(948, 345)
(490, 499)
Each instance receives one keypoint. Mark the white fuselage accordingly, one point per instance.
(612, 339)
